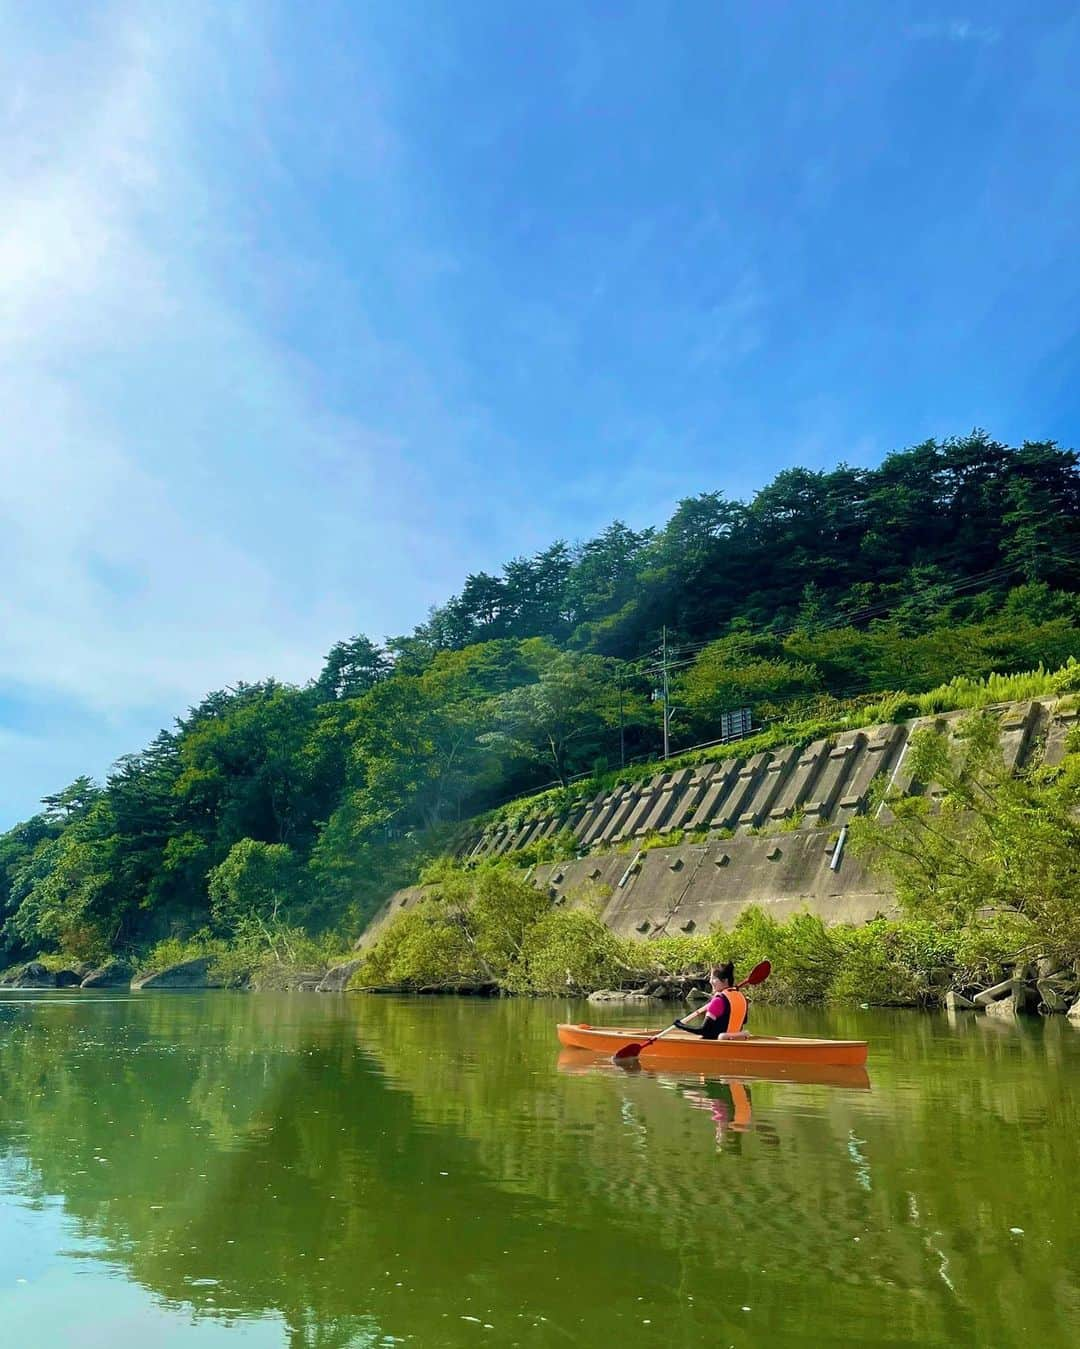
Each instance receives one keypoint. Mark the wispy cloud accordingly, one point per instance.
(178, 509)
(953, 30)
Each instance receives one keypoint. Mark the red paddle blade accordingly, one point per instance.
(627, 1052)
(757, 975)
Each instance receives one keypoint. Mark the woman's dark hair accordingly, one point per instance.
(724, 971)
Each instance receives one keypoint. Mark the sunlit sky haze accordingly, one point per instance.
(306, 311)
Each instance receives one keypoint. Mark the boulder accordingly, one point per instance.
(956, 1002)
(113, 974)
(187, 974)
(697, 996)
(1051, 998)
(68, 978)
(337, 979)
(31, 975)
(285, 979)
(631, 997)
(1019, 999)
(1046, 966)
(991, 995)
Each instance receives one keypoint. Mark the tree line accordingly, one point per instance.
(270, 805)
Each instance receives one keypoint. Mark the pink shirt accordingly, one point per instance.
(717, 1006)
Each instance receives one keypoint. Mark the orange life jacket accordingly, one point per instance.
(740, 1099)
(738, 1008)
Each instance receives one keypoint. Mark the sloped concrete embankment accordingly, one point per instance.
(766, 828)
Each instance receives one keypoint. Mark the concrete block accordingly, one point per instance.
(644, 804)
(904, 779)
(588, 817)
(880, 746)
(718, 785)
(837, 768)
(995, 994)
(1017, 723)
(802, 778)
(1062, 720)
(1051, 997)
(612, 831)
(768, 787)
(665, 802)
(742, 792)
(600, 818)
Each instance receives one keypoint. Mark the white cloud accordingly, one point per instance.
(953, 30)
(176, 510)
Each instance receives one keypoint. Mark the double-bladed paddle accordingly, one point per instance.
(757, 975)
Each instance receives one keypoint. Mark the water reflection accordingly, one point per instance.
(725, 1097)
(332, 1172)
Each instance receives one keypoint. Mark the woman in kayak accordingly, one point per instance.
(725, 1012)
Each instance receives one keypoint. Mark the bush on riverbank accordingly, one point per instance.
(246, 958)
(488, 926)
(984, 838)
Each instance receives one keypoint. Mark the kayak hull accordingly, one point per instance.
(587, 1062)
(678, 1045)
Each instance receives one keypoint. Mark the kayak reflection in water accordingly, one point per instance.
(728, 1102)
(725, 1012)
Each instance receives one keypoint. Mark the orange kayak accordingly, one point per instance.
(583, 1062)
(779, 1049)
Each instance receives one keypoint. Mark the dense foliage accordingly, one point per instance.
(270, 808)
(985, 839)
(486, 926)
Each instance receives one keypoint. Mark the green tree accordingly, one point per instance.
(257, 890)
(562, 719)
(983, 838)
(351, 668)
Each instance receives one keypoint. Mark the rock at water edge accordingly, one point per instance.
(31, 975)
(995, 994)
(113, 974)
(1050, 997)
(187, 974)
(337, 979)
(618, 995)
(956, 1002)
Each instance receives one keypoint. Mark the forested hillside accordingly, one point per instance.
(272, 805)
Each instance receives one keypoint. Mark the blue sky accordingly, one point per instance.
(308, 310)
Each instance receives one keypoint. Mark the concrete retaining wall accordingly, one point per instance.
(783, 810)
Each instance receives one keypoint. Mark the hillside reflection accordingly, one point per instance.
(373, 1167)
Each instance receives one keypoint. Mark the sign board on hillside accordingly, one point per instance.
(734, 725)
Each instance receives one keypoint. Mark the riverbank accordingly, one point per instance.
(502, 950)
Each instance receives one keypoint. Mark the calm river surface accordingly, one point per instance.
(210, 1170)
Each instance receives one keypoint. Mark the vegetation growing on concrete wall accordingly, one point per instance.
(985, 839)
(955, 695)
(486, 927)
(987, 871)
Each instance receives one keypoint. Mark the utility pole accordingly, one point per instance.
(664, 667)
(622, 723)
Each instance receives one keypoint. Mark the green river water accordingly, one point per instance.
(259, 1170)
